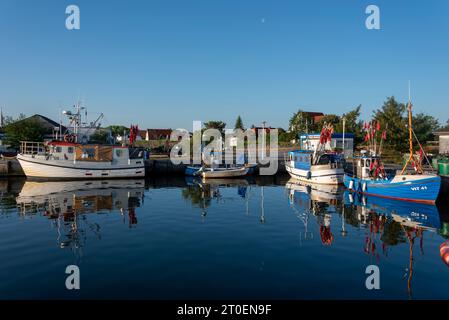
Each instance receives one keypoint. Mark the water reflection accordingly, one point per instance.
(388, 222)
(68, 203)
(320, 202)
(329, 221)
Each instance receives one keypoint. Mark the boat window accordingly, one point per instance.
(70, 149)
(119, 153)
(58, 149)
(88, 153)
(324, 159)
(368, 162)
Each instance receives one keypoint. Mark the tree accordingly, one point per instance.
(424, 125)
(117, 130)
(328, 119)
(24, 130)
(239, 123)
(392, 113)
(301, 122)
(352, 124)
(100, 137)
(219, 125)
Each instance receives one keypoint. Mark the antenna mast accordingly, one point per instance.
(410, 130)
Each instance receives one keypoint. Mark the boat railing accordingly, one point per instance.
(32, 148)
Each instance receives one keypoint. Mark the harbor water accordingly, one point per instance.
(177, 238)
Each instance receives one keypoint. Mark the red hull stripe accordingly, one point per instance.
(397, 198)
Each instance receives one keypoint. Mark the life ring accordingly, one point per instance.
(444, 252)
(69, 138)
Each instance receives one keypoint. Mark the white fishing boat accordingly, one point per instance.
(320, 166)
(69, 159)
(211, 173)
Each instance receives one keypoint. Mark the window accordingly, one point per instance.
(119, 153)
(324, 159)
(88, 153)
(58, 149)
(70, 150)
(368, 162)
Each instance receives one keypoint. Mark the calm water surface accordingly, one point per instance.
(182, 239)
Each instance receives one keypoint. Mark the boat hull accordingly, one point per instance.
(224, 173)
(326, 176)
(47, 169)
(420, 190)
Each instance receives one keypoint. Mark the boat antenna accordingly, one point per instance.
(410, 130)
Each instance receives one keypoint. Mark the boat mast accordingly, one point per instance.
(410, 130)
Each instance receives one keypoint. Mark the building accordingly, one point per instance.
(155, 134)
(443, 139)
(310, 142)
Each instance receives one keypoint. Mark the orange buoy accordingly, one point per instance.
(444, 252)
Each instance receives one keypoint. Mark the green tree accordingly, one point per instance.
(24, 130)
(424, 125)
(117, 130)
(219, 125)
(328, 119)
(239, 123)
(393, 114)
(100, 137)
(352, 124)
(301, 122)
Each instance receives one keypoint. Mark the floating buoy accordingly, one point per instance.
(444, 252)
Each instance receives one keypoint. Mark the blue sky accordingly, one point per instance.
(166, 63)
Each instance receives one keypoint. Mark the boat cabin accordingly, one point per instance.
(59, 150)
(369, 167)
(303, 159)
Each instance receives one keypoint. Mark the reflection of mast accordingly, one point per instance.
(262, 213)
(411, 239)
(343, 229)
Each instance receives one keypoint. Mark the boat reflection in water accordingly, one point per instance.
(66, 203)
(387, 222)
(391, 217)
(320, 201)
(201, 192)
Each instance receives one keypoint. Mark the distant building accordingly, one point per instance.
(52, 128)
(155, 134)
(310, 142)
(443, 139)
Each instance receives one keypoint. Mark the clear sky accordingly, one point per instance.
(165, 63)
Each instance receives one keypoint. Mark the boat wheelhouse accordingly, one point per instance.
(323, 168)
(67, 160)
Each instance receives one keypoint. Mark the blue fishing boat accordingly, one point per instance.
(370, 177)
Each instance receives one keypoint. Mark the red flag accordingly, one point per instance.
(378, 125)
(384, 135)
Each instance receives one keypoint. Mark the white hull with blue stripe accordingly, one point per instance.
(325, 168)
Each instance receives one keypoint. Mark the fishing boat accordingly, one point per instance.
(320, 166)
(212, 173)
(370, 177)
(67, 158)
